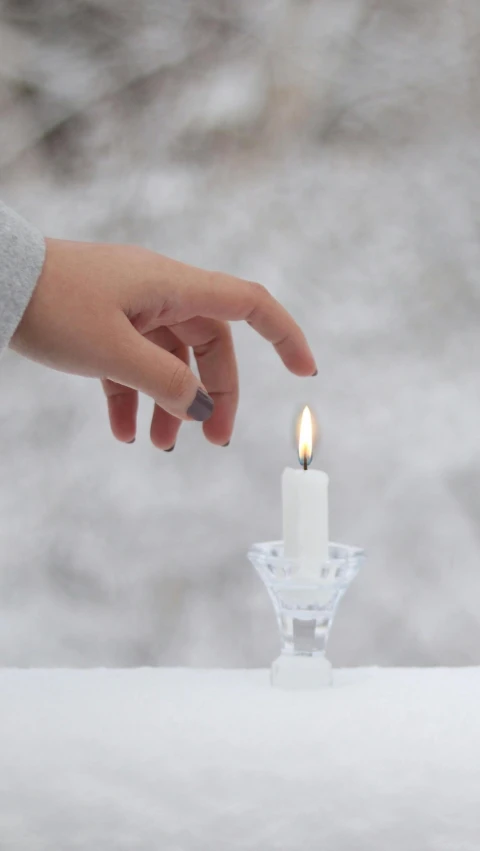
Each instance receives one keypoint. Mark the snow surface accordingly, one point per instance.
(184, 760)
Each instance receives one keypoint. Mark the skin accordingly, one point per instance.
(132, 318)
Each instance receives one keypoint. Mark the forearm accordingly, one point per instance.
(22, 252)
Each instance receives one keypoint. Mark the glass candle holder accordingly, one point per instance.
(305, 594)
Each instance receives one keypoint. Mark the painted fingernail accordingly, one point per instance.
(315, 373)
(226, 444)
(202, 406)
(131, 441)
(171, 449)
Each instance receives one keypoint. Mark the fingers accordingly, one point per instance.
(197, 306)
(123, 401)
(164, 428)
(212, 345)
(122, 410)
(223, 297)
(140, 364)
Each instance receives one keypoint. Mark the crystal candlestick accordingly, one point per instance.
(305, 596)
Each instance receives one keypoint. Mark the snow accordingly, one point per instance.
(184, 760)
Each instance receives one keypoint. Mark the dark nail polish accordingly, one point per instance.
(131, 441)
(202, 406)
(171, 449)
(315, 373)
(226, 444)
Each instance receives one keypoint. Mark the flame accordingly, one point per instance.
(305, 440)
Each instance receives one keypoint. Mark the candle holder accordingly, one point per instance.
(305, 594)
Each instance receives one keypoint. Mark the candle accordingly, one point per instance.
(305, 505)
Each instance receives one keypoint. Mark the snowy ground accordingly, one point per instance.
(330, 150)
(196, 760)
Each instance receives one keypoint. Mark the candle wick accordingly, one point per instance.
(305, 464)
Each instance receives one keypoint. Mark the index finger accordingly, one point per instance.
(224, 297)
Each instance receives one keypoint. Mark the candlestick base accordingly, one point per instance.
(305, 594)
(301, 672)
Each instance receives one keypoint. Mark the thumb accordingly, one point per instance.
(150, 369)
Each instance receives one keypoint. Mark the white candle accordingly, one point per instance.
(305, 506)
(305, 514)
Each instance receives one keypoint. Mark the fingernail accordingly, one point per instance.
(226, 444)
(131, 441)
(315, 373)
(202, 406)
(171, 449)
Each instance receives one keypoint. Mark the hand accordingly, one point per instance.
(130, 317)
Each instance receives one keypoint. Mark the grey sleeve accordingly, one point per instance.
(22, 252)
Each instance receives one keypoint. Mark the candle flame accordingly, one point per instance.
(305, 440)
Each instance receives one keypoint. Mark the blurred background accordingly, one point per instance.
(331, 150)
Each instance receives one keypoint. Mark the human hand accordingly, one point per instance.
(130, 317)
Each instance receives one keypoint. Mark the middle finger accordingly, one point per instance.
(212, 345)
(164, 428)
